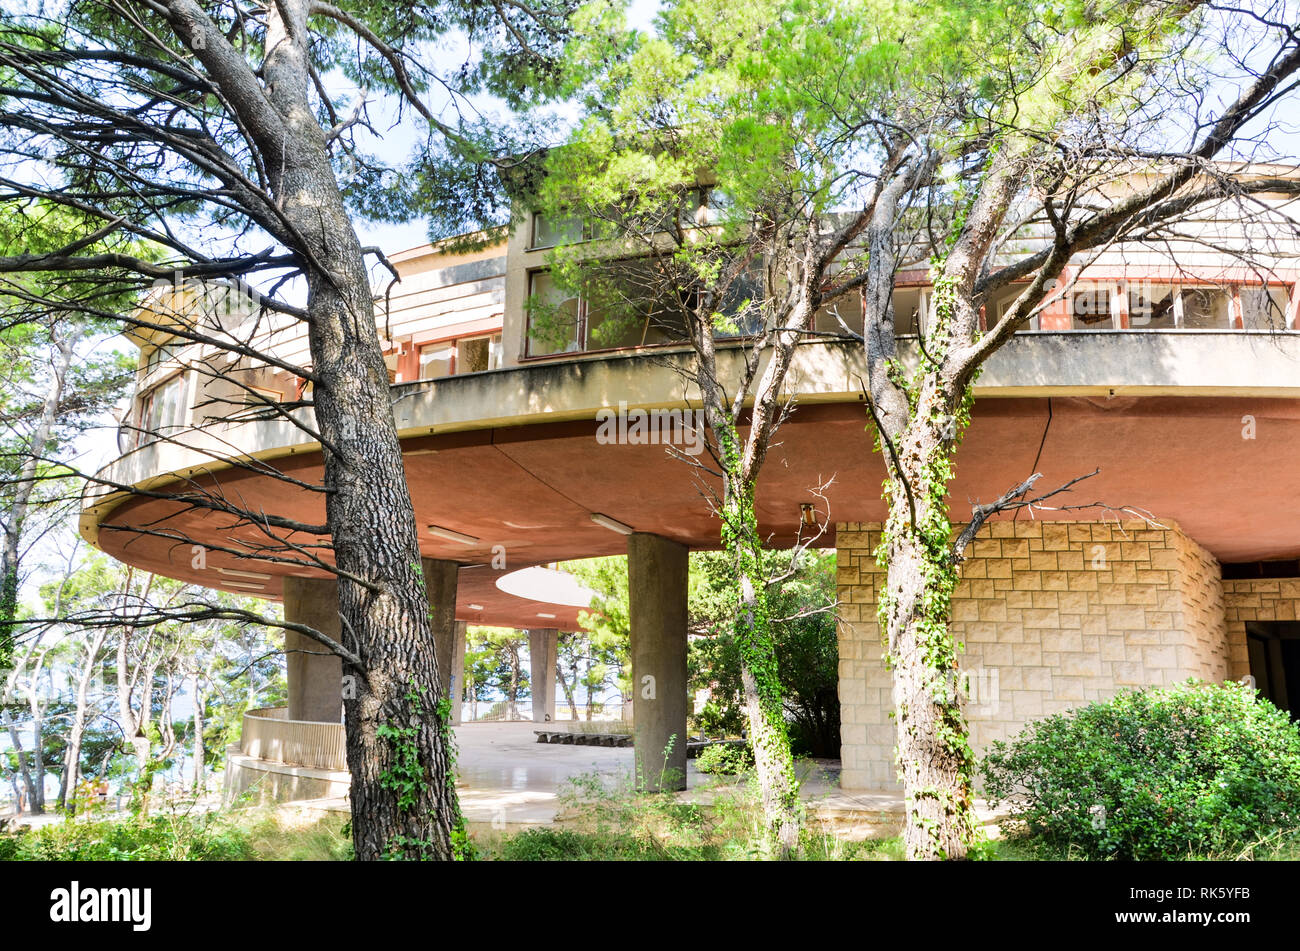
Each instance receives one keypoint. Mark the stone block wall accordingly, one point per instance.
(1052, 615)
(1256, 599)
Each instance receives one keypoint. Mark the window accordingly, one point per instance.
(999, 303)
(1206, 308)
(548, 232)
(437, 360)
(630, 303)
(478, 354)
(465, 355)
(743, 304)
(1151, 306)
(1264, 308)
(164, 353)
(1090, 308)
(261, 395)
(162, 409)
(909, 304)
(554, 317)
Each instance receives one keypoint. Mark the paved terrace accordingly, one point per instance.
(508, 781)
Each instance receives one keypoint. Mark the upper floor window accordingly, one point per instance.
(1264, 307)
(161, 354)
(162, 409)
(549, 231)
(697, 206)
(1091, 308)
(633, 303)
(464, 355)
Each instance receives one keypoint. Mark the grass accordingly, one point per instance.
(598, 822)
(613, 822)
(181, 834)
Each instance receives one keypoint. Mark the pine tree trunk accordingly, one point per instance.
(403, 798)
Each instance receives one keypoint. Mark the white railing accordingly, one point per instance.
(269, 734)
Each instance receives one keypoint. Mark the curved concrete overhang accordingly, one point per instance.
(511, 458)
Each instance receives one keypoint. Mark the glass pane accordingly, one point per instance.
(553, 318)
(849, 308)
(548, 232)
(908, 302)
(743, 304)
(473, 355)
(435, 360)
(164, 407)
(1150, 305)
(1090, 308)
(1264, 308)
(1206, 308)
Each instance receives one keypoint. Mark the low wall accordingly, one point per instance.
(269, 735)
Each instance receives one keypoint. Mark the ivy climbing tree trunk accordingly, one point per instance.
(741, 539)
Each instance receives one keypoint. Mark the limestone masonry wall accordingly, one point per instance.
(1052, 615)
(1256, 599)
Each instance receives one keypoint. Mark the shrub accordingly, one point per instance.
(163, 837)
(1154, 774)
(724, 758)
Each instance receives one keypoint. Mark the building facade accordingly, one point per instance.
(1173, 370)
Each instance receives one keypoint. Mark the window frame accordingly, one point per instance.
(454, 344)
(144, 404)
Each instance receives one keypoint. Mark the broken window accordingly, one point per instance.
(1206, 308)
(1264, 307)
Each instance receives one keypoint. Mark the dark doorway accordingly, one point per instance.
(1274, 648)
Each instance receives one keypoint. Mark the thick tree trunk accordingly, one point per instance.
(403, 799)
(934, 754)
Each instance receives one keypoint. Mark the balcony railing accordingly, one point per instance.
(269, 734)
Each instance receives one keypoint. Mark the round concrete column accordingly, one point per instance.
(541, 672)
(657, 576)
(440, 587)
(314, 674)
(457, 680)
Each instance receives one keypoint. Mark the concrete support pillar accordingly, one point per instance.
(657, 575)
(314, 674)
(440, 587)
(457, 681)
(541, 672)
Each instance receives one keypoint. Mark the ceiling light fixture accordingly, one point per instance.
(451, 536)
(245, 584)
(235, 573)
(614, 525)
(545, 615)
(476, 607)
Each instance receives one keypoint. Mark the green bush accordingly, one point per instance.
(1162, 773)
(174, 837)
(722, 758)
